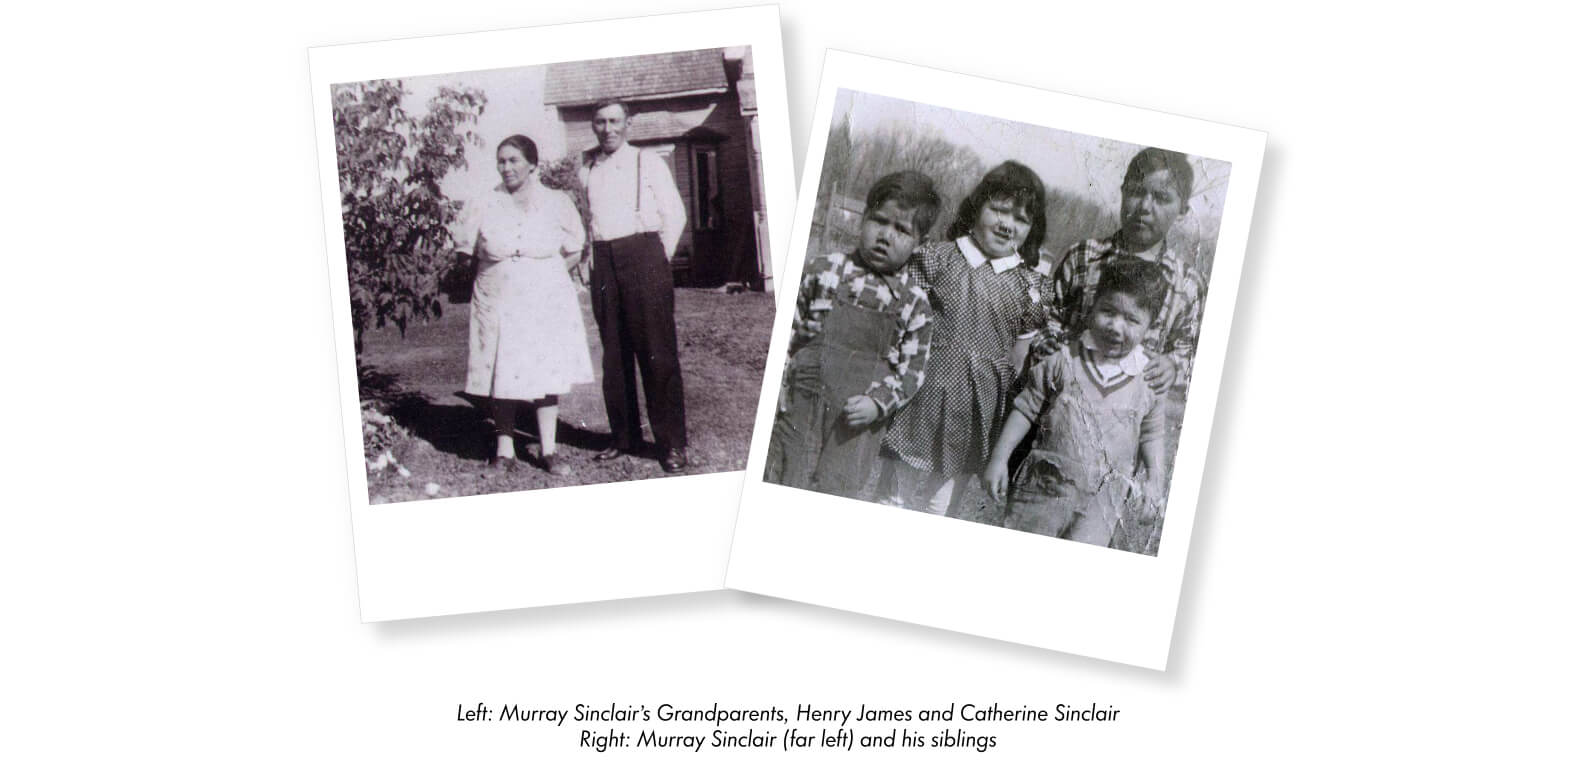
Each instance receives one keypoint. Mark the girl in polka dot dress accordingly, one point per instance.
(987, 302)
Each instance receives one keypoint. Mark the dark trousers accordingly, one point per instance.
(632, 298)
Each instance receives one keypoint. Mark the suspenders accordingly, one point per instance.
(639, 155)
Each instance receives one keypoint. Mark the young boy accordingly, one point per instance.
(1155, 194)
(861, 335)
(1100, 423)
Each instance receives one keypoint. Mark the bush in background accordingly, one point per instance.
(396, 218)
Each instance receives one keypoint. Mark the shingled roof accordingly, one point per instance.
(635, 77)
(653, 127)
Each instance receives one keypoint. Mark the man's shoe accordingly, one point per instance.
(674, 460)
(608, 454)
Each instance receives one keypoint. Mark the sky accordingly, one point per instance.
(514, 106)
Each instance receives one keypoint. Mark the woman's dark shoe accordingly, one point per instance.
(674, 460)
(608, 454)
(505, 464)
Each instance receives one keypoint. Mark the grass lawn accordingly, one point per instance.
(442, 439)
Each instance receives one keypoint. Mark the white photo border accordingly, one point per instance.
(560, 545)
(963, 576)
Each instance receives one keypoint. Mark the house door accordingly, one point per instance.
(711, 265)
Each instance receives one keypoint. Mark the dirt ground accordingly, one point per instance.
(439, 441)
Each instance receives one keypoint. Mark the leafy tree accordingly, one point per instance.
(395, 215)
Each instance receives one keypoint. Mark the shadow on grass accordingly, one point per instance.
(465, 431)
(525, 424)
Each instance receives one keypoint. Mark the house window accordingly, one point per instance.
(707, 193)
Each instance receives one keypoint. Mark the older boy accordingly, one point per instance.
(1155, 195)
(861, 335)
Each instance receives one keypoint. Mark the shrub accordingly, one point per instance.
(396, 218)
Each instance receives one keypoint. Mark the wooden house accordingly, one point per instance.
(696, 109)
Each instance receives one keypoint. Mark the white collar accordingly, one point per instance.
(976, 257)
(599, 158)
(1133, 364)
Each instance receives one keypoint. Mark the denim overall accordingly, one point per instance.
(812, 445)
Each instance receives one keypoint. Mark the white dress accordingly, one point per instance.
(527, 338)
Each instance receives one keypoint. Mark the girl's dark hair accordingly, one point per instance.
(1144, 280)
(522, 144)
(1015, 182)
(911, 190)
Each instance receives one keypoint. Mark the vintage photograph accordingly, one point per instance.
(989, 395)
(996, 321)
(551, 257)
(558, 274)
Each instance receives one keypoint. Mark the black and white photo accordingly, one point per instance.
(955, 347)
(524, 243)
(988, 401)
(554, 281)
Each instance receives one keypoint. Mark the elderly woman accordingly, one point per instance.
(527, 339)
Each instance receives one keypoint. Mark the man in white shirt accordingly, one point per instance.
(637, 217)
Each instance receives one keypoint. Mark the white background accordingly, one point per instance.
(1380, 563)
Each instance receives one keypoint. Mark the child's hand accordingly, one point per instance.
(995, 479)
(861, 411)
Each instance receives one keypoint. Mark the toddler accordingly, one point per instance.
(1101, 434)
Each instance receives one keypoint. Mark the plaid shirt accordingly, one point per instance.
(1175, 329)
(897, 294)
